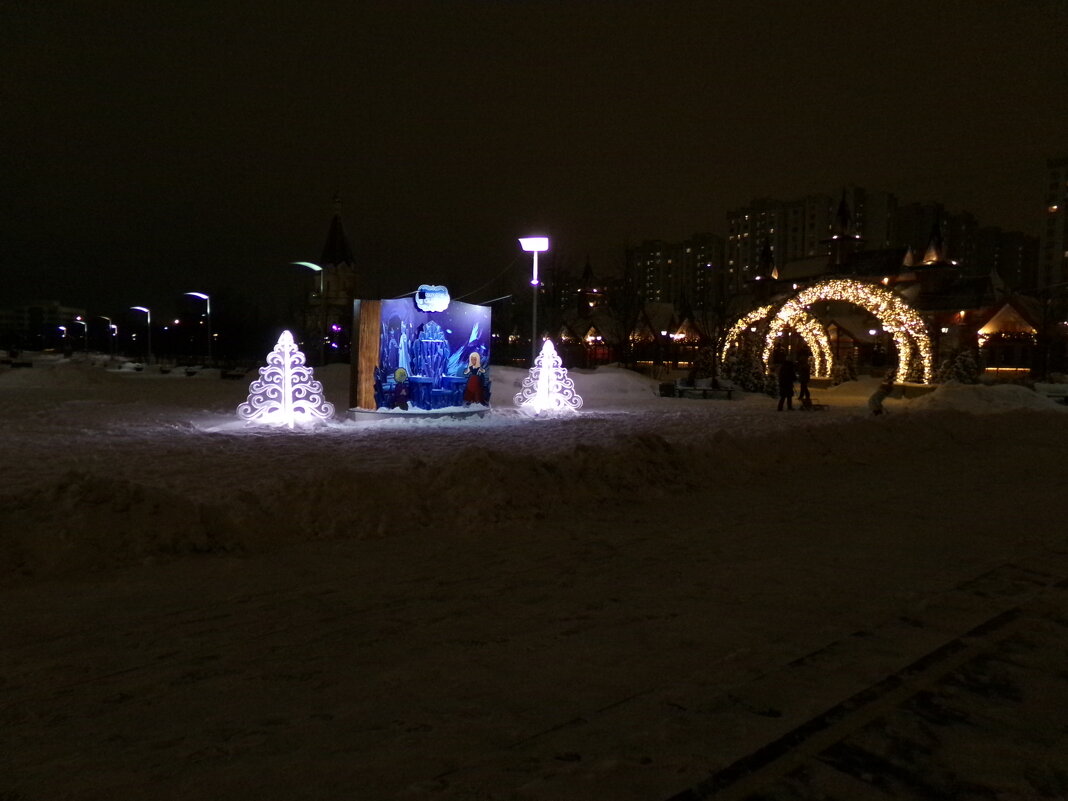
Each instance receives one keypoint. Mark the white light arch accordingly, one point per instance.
(810, 329)
(900, 320)
(755, 316)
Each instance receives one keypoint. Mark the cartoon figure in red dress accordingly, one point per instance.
(475, 389)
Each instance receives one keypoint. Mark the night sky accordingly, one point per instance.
(153, 148)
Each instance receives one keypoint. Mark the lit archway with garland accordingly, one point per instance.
(897, 318)
(757, 315)
(811, 330)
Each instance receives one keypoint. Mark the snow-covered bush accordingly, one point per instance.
(960, 366)
(745, 367)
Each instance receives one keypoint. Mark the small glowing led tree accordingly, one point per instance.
(547, 388)
(286, 393)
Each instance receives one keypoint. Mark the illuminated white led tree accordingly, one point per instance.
(286, 393)
(547, 388)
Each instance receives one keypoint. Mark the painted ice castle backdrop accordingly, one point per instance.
(433, 349)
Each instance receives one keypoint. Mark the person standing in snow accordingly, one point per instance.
(787, 376)
(875, 402)
(804, 373)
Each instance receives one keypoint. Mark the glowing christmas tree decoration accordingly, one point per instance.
(547, 389)
(286, 393)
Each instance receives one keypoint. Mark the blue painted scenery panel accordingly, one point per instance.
(432, 360)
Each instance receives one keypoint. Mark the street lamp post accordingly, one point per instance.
(85, 333)
(148, 324)
(207, 310)
(113, 331)
(322, 308)
(535, 245)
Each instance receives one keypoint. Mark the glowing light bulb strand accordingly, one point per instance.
(900, 320)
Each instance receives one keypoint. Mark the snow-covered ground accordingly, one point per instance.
(603, 606)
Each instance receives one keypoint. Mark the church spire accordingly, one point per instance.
(588, 280)
(936, 246)
(337, 249)
(844, 240)
(843, 218)
(766, 265)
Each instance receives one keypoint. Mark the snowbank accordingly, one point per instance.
(600, 606)
(983, 399)
(104, 468)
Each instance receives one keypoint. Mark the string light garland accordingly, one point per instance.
(901, 321)
(739, 327)
(811, 331)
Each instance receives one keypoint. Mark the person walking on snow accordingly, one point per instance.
(787, 376)
(875, 402)
(804, 373)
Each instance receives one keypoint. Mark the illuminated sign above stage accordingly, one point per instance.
(432, 298)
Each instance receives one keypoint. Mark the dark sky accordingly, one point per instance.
(152, 148)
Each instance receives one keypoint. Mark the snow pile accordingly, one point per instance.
(604, 386)
(90, 522)
(982, 399)
(106, 468)
(70, 374)
(424, 608)
(1060, 389)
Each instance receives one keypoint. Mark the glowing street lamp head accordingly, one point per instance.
(141, 309)
(307, 264)
(200, 295)
(534, 244)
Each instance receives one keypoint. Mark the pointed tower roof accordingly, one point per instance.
(909, 260)
(766, 263)
(843, 218)
(337, 249)
(588, 279)
(936, 246)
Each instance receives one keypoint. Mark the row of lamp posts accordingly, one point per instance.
(148, 323)
(531, 244)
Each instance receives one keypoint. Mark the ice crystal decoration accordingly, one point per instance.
(547, 389)
(286, 393)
